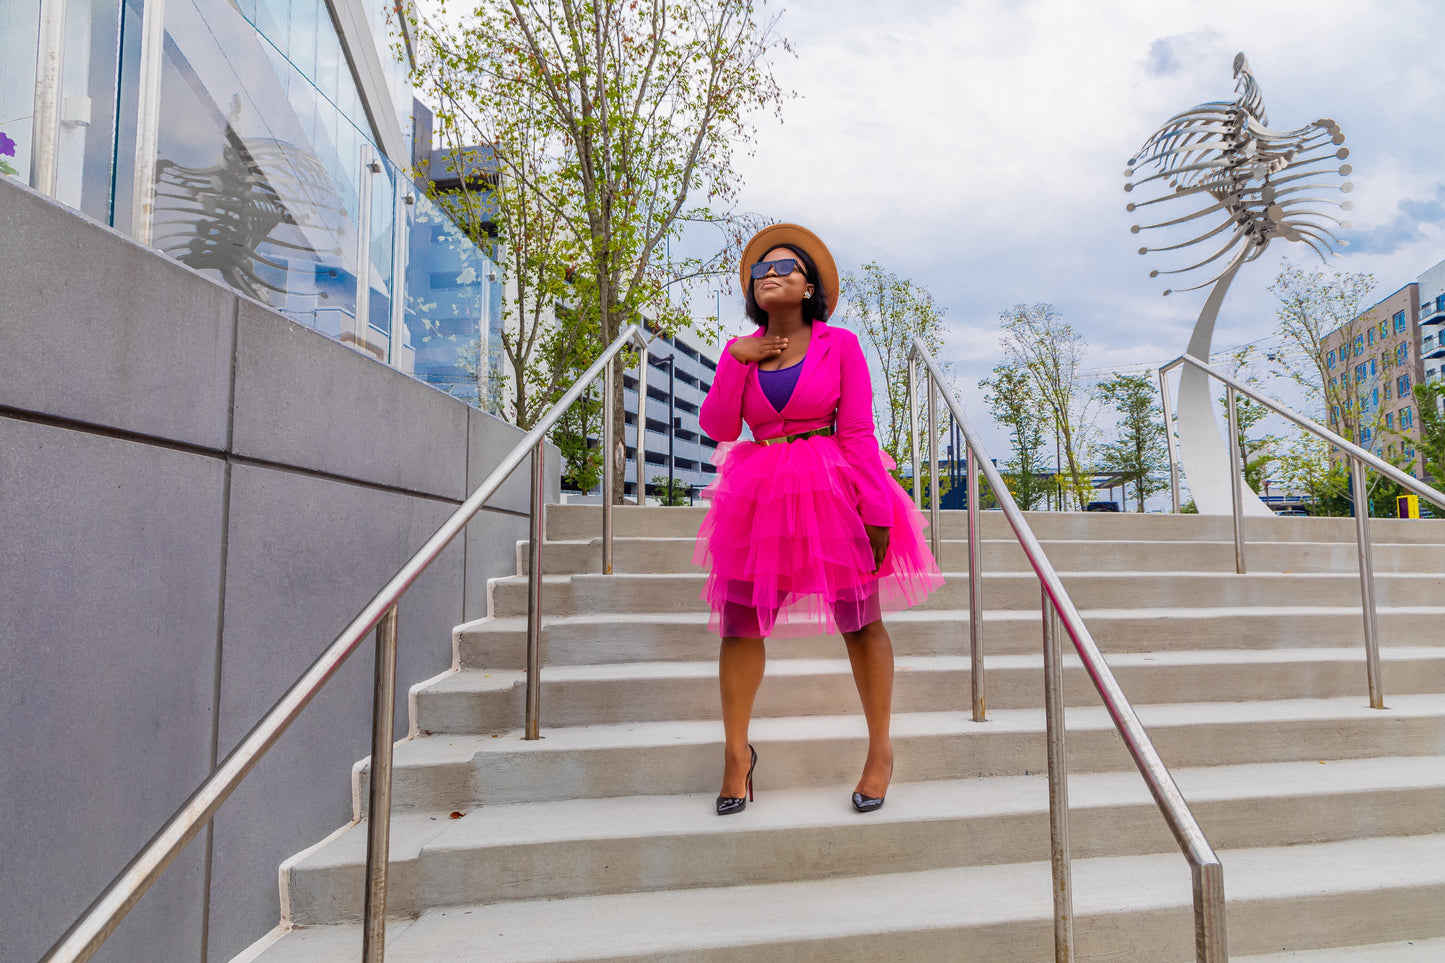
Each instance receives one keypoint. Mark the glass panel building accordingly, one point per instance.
(265, 143)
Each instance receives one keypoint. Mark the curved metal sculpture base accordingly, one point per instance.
(1202, 448)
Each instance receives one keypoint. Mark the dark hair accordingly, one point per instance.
(815, 308)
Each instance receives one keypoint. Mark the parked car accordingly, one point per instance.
(1102, 507)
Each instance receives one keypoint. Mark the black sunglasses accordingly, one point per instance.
(783, 266)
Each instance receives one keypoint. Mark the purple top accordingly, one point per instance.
(778, 385)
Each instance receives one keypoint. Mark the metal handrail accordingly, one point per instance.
(1359, 458)
(1058, 607)
(100, 919)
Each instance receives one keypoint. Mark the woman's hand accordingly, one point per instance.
(878, 539)
(752, 350)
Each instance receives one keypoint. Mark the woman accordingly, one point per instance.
(807, 533)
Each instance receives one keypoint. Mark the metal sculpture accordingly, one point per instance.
(1248, 184)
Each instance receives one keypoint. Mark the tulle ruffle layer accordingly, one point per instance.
(788, 552)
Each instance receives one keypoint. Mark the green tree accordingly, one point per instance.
(1430, 409)
(1139, 453)
(1010, 396)
(1041, 344)
(581, 423)
(888, 312)
(673, 494)
(1303, 465)
(512, 217)
(640, 105)
(1258, 451)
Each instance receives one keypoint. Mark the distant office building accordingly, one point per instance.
(1432, 321)
(264, 144)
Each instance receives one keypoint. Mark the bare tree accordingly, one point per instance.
(641, 104)
(1010, 396)
(1045, 346)
(888, 312)
(1314, 305)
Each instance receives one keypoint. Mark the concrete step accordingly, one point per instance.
(641, 555)
(564, 595)
(636, 844)
(1398, 951)
(598, 841)
(570, 522)
(1127, 908)
(495, 644)
(477, 701)
(461, 772)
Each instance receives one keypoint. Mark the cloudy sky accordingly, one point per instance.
(978, 147)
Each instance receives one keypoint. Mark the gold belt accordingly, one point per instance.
(784, 439)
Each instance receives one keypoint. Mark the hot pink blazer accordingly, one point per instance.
(833, 388)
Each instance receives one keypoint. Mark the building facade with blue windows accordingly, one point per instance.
(1376, 360)
(1432, 321)
(269, 144)
(680, 372)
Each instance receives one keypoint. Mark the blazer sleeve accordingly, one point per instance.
(721, 415)
(856, 434)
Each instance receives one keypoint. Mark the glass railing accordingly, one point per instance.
(266, 174)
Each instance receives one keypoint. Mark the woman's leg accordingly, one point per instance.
(740, 671)
(870, 651)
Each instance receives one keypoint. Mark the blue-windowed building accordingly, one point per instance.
(681, 369)
(270, 144)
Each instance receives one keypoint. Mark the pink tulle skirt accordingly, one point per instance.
(787, 549)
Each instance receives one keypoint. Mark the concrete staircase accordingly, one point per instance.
(598, 842)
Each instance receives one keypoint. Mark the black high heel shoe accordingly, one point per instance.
(870, 804)
(727, 805)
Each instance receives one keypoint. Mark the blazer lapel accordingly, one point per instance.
(818, 344)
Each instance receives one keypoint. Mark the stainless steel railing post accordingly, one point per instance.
(1367, 583)
(608, 457)
(1168, 405)
(1204, 864)
(378, 813)
(913, 431)
(975, 583)
(931, 386)
(536, 535)
(1210, 944)
(1236, 464)
(1058, 784)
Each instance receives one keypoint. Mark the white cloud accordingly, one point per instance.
(979, 147)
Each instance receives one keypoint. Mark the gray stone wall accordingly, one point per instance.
(196, 496)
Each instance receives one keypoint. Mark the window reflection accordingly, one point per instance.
(453, 309)
(19, 45)
(263, 146)
(247, 217)
(253, 186)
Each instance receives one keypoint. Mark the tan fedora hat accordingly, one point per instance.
(779, 234)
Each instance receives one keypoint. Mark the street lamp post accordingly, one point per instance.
(671, 363)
